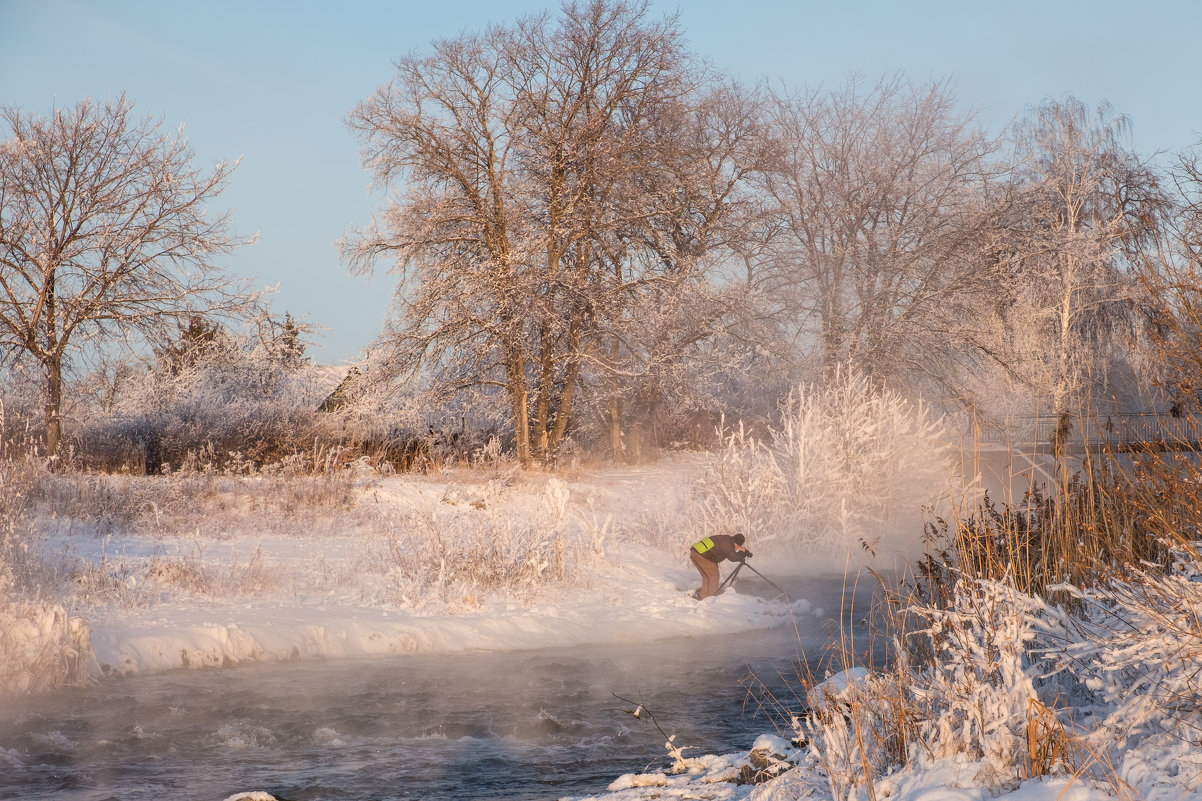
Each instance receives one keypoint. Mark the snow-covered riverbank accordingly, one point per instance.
(229, 593)
(463, 563)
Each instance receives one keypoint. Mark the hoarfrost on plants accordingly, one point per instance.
(848, 472)
(1010, 688)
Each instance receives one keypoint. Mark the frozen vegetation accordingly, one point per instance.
(601, 245)
(1082, 692)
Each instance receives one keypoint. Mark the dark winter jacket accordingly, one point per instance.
(723, 548)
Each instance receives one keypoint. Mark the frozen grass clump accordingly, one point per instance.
(21, 568)
(478, 549)
(460, 563)
(1010, 687)
(848, 463)
(1135, 649)
(42, 647)
(961, 685)
(141, 584)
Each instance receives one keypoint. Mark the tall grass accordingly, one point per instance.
(1017, 687)
(481, 550)
(19, 562)
(42, 646)
(1058, 635)
(461, 565)
(1121, 510)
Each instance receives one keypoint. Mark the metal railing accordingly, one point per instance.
(1126, 430)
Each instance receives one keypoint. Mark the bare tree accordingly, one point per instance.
(1083, 204)
(878, 223)
(672, 291)
(529, 155)
(1170, 276)
(104, 233)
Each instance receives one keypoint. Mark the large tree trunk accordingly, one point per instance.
(615, 409)
(54, 404)
(1064, 387)
(521, 425)
(615, 428)
(519, 396)
(542, 406)
(565, 406)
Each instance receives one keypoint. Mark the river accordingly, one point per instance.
(518, 726)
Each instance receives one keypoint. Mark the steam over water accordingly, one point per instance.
(522, 725)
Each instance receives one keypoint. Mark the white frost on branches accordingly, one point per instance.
(845, 466)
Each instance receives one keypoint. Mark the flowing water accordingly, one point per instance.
(520, 725)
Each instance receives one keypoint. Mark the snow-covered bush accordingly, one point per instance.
(848, 459)
(961, 686)
(1136, 648)
(461, 565)
(23, 571)
(976, 694)
(227, 415)
(1010, 687)
(226, 407)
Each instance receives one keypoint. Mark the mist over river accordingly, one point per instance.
(529, 724)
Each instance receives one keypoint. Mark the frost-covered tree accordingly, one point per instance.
(195, 342)
(263, 361)
(1170, 276)
(666, 291)
(875, 198)
(284, 341)
(105, 232)
(848, 464)
(551, 184)
(1083, 204)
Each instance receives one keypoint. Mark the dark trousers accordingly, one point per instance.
(709, 575)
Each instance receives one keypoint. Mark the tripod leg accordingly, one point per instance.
(731, 577)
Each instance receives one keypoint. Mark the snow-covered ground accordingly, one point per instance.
(224, 592)
(327, 596)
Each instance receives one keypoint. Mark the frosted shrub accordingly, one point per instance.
(846, 460)
(1137, 647)
(20, 564)
(743, 488)
(970, 695)
(555, 499)
(41, 646)
(236, 398)
(976, 694)
(841, 730)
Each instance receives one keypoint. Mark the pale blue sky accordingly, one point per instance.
(272, 83)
